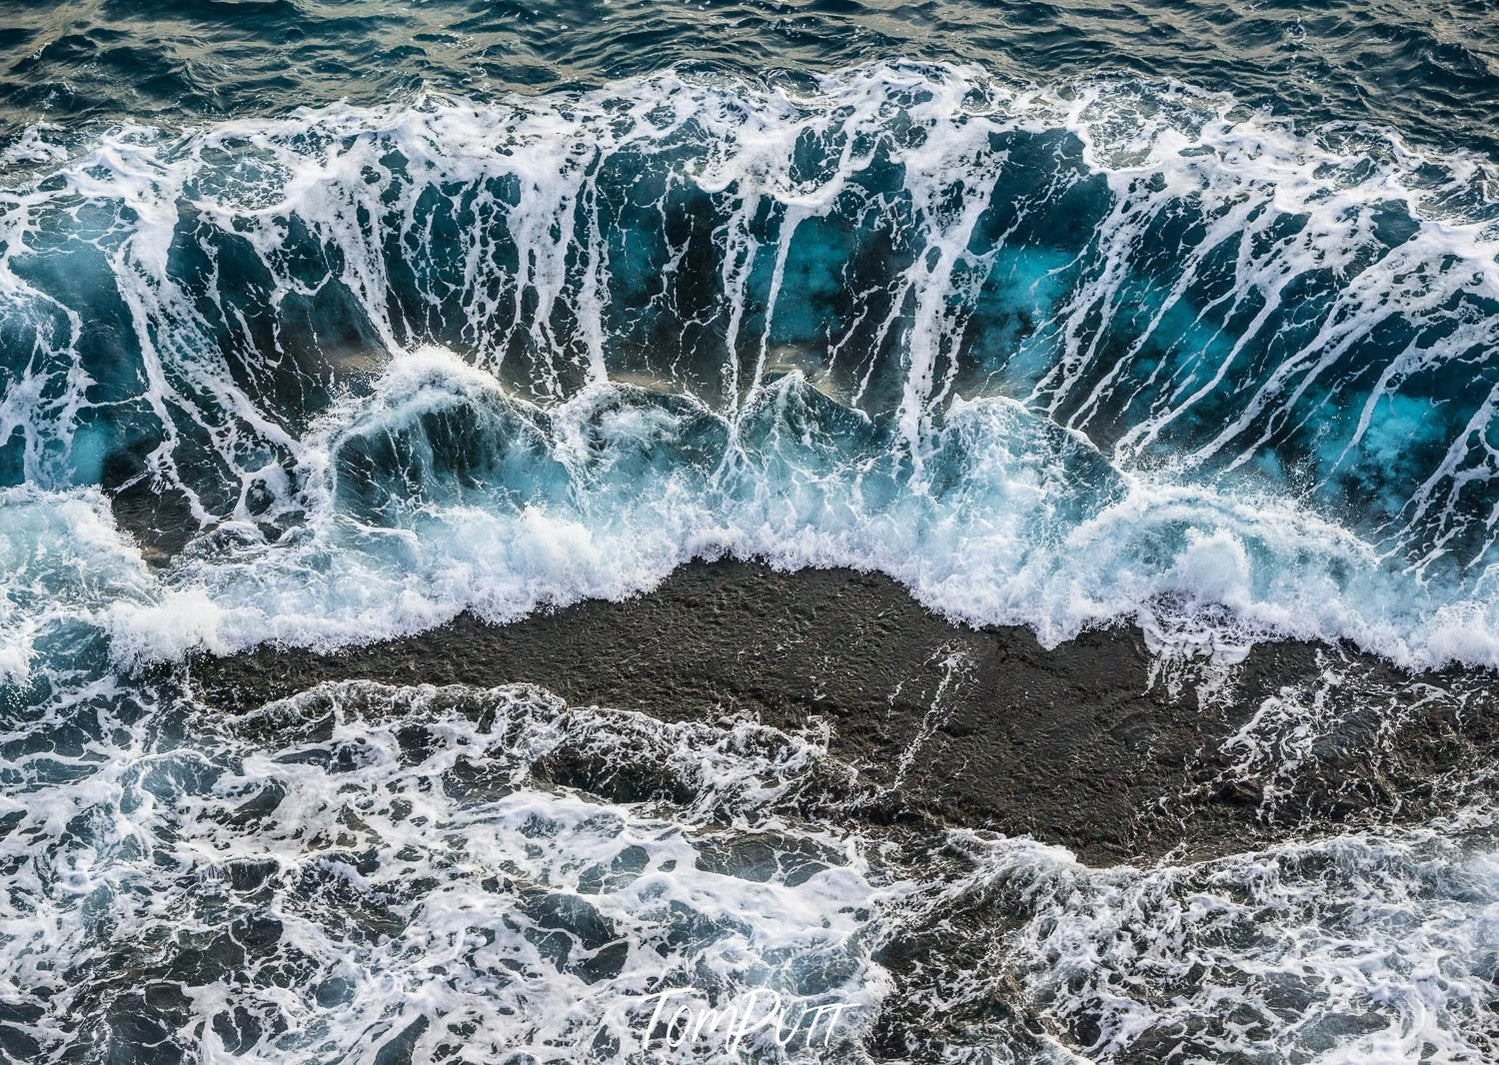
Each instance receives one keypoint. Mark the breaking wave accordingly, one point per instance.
(1055, 357)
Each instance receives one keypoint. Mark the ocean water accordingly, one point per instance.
(325, 322)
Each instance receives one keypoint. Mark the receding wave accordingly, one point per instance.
(366, 872)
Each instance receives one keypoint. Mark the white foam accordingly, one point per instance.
(1029, 532)
(1019, 544)
(439, 882)
(1033, 528)
(1357, 948)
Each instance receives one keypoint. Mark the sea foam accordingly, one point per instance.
(1049, 356)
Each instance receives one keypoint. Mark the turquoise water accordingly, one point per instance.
(326, 322)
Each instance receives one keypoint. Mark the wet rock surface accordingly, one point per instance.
(1087, 745)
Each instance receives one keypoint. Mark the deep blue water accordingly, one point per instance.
(1429, 69)
(324, 322)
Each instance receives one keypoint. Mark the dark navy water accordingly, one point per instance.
(1429, 69)
(326, 322)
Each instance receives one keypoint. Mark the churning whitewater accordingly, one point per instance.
(1053, 357)
(1113, 350)
(369, 873)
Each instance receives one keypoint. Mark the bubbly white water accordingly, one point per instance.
(1290, 456)
(604, 494)
(312, 881)
(483, 876)
(1353, 949)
